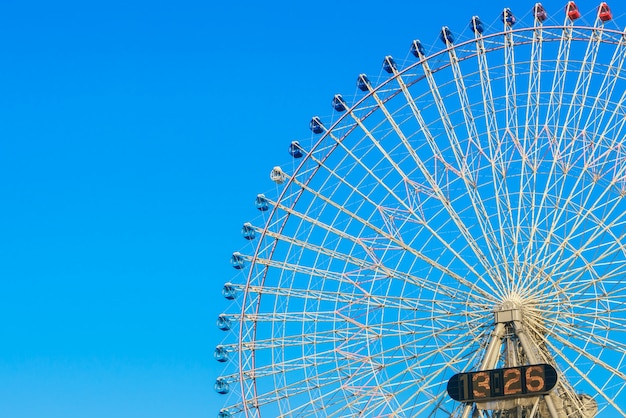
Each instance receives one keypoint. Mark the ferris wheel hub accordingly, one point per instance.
(511, 309)
(506, 315)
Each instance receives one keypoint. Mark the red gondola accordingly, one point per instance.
(604, 13)
(572, 10)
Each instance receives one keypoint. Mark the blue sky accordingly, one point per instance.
(134, 138)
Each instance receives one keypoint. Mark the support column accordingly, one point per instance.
(490, 359)
(528, 350)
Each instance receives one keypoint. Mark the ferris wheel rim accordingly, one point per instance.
(332, 127)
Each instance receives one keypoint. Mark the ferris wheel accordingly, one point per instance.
(453, 243)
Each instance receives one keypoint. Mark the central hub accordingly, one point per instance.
(509, 311)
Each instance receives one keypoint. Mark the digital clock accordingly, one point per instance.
(511, 382)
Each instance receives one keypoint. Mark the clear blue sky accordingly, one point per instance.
(134, 137)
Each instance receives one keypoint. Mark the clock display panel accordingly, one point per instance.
(511, 382)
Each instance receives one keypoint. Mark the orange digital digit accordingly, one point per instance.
(512, 382)
(535, 381)
(480, 385)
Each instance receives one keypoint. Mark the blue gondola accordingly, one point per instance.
(316, 125)
(224, 414)
(220, 354)
(389, 64)
(236, 260)
(247, 231)
(229, 291)
(223, 322)
(261, 203)
(221, 386)
(363, 82)
(476, 25)
(338, 103)
(295, 150)
(417, 49)
(446, 35)
(507, 17)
